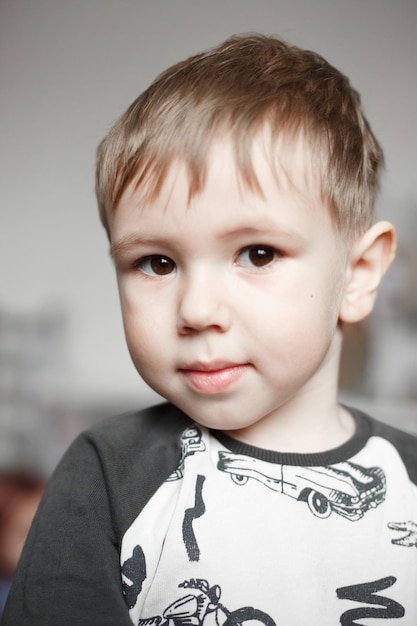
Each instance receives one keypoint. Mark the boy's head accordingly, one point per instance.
(233, 91)
(237, 193)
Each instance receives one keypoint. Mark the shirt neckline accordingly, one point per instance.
(329, 457)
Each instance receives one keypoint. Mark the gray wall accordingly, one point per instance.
(69, 68)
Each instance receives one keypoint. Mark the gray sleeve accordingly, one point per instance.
(69, 572)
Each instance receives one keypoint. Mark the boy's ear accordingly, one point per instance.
(370, 258)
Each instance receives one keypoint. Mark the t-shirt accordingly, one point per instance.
(151, 519)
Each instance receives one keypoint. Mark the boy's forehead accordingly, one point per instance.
(285, 161)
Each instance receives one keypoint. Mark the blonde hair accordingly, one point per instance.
(233, 90)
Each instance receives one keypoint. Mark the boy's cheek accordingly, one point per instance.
(131, 302)
(142, 326)
(141, 347)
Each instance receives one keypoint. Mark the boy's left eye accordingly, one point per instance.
(257, 256)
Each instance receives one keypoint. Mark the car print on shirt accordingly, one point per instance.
(346, 488)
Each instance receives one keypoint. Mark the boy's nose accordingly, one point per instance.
(203, 304)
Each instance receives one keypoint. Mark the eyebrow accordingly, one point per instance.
(131, 241)
(266, 228)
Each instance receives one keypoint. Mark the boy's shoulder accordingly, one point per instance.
(123, 460)
(145, 426)
(144, 442)
(403, 441)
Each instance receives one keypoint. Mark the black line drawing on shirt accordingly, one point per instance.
(190, 515)
(365, 594)
(410, 529)
(203, 604)
(133, 574)
(191, 442)
(346, 488)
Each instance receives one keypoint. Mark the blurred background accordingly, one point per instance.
(68, 69)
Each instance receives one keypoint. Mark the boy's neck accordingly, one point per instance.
(301, 428)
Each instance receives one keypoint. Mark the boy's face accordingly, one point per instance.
(231, 303)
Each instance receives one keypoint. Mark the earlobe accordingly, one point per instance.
(369, 260)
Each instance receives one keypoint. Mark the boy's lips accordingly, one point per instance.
(211, 378)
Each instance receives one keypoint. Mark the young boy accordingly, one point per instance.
(237, 193)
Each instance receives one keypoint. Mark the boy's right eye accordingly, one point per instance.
(156, 265)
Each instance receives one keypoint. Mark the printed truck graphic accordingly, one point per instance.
(346, 488)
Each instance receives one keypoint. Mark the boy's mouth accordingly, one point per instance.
(212, 378)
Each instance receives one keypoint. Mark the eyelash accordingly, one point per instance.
(266, 255)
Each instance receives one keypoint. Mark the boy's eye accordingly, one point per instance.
(156, 265)
(257, 256)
